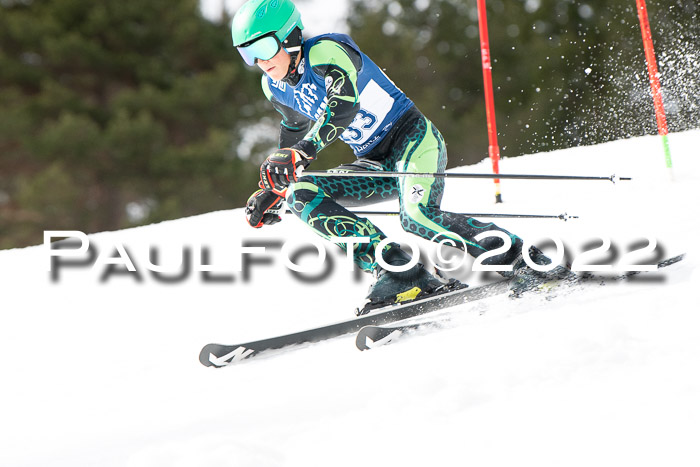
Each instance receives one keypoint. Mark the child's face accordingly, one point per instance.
(277, 67)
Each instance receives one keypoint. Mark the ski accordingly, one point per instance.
(219, 355)
(372, 336)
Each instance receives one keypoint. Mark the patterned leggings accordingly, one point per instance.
(414, 145)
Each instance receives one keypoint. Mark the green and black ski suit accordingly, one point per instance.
(337, 92)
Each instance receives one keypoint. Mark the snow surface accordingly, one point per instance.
(105, 373)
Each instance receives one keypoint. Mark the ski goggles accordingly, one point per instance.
(261, 49)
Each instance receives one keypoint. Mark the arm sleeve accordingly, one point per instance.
(339, 65)
(293, 126)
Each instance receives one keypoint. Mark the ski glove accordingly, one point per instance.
(282, 168)
(263, 207)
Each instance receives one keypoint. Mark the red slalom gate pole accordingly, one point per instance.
(494, 151)
(654, 80)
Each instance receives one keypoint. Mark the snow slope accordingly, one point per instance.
(100, 368)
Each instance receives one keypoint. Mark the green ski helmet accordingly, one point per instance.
(261, 27)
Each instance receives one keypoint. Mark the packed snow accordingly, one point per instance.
(100, 365)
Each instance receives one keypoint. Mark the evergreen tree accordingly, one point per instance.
(117, 113)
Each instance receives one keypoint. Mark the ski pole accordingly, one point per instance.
(564, 217)
(387, 174)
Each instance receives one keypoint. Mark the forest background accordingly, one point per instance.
(118, 114)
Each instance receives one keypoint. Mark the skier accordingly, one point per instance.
(326, 89)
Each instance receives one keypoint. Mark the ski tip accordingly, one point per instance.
(204, 355)
(218, 356)
(363, 341)
(370, 337)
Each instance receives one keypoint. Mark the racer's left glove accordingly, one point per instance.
(282, 168)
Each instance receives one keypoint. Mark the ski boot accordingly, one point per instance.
(401, 287)
(526, 279)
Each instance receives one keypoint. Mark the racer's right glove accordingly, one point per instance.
(263, 208)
